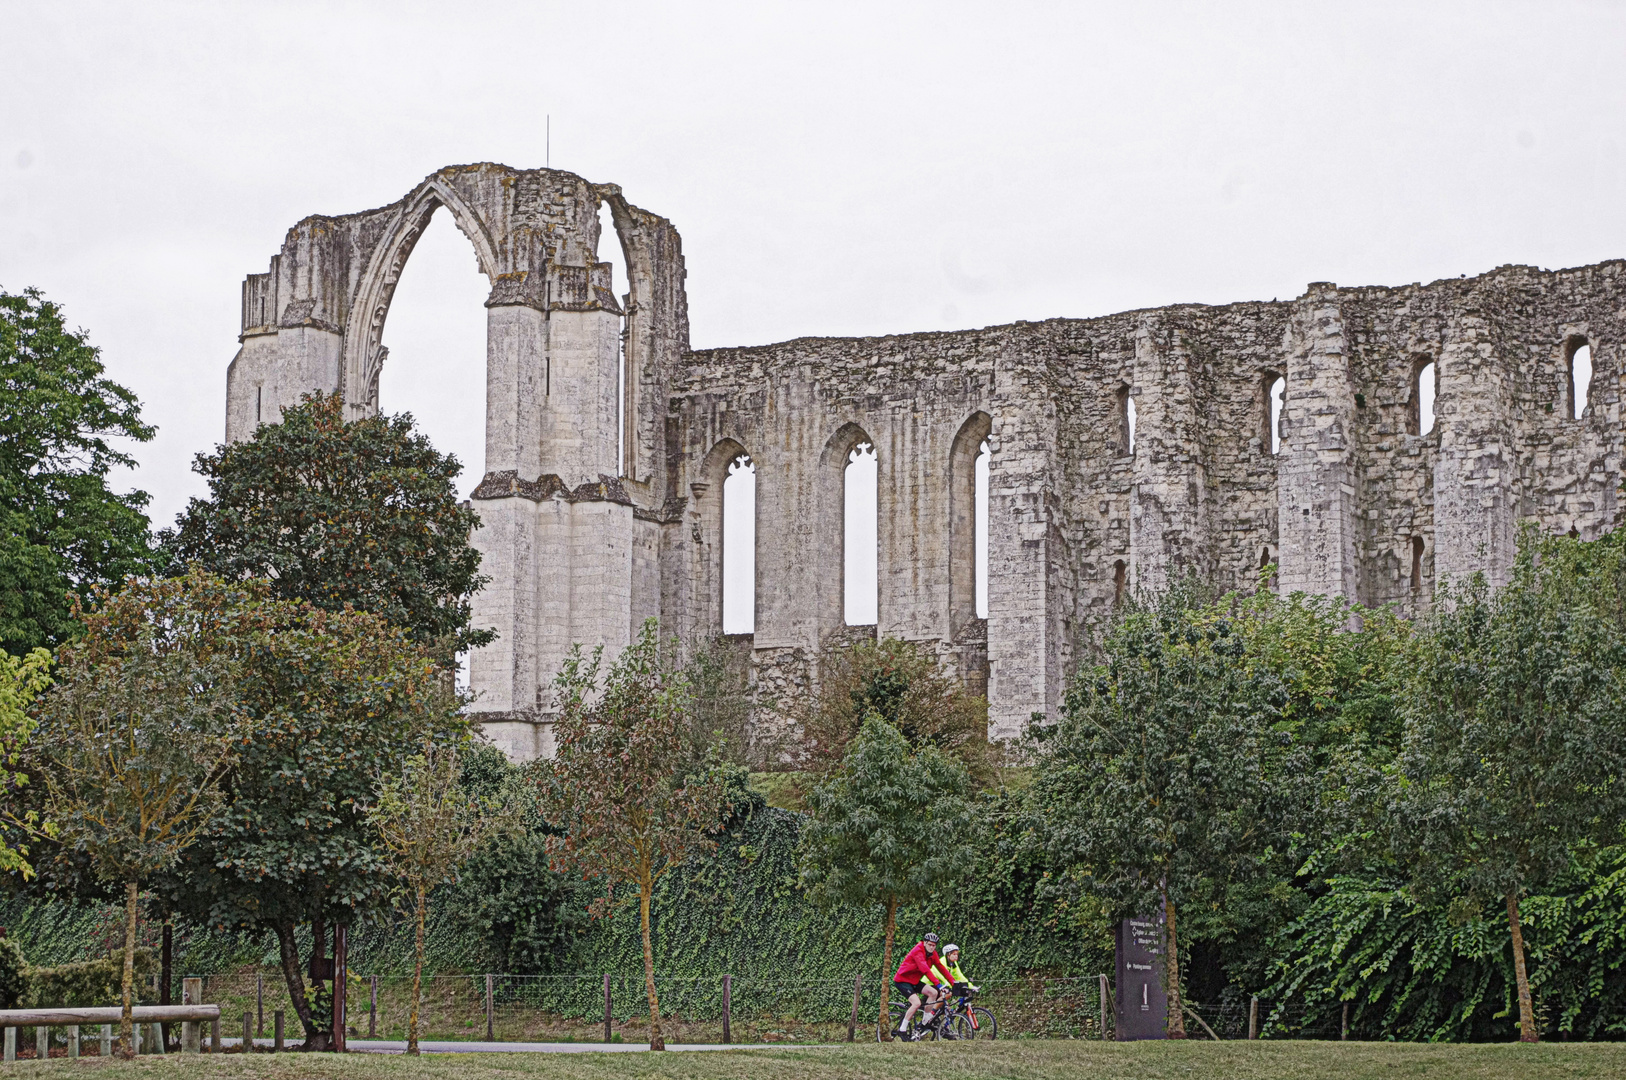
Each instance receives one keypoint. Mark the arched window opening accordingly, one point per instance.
(1580, 379)
(1275, 387)
(436, 336)
(861, 548)
(980, 499)
(740, 547)
(609, 251)
(1126, 422)
(1120, 581)
(434, 341)
(1424, 384)
(1416, 563)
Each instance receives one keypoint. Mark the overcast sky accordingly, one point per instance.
(861, 169)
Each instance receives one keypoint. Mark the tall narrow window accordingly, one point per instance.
(1120, 581)
(981, 528)
(1424, 396)
(436, 336)
(1275, 387)
(1416, 563)
(259, 403)
(740, 547)
(609, 251)
(1126, 422)
(1580, 379)
(861, 550)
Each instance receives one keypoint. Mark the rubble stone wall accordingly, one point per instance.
(584, 543)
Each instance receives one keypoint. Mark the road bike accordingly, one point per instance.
(963, 1020)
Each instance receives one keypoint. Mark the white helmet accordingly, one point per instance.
(950, 948)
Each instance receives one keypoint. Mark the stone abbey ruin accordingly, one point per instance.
(1121, 449)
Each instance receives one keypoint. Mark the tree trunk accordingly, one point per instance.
(166, 966)
(314, 1039)
(417, 973)
(656, 1041)
(885, 1021)
(127, 980)
(1527, 1009)
(1177, 1018)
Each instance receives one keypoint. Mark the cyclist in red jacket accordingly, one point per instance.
(921, 976)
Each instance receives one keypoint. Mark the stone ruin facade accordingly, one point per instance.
(1124, 449)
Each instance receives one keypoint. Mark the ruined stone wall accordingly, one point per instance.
(583, 544)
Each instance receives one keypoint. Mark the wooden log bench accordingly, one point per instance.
(141, 1016)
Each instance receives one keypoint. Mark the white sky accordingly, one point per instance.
(833, 169)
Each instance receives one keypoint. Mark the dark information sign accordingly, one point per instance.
(1143, 1007)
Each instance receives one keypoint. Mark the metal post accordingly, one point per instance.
(42, 1044)
(11, 1044)
(1103, 1008)
(489, 1036)
(728, 1006)
(1344, 1034)
(107, 1040)
(259, 1005)
(1253, 1017)
(248, 1032)
(852, 1021)
(372, 1010)
(214, 1035)
(276, 1031)
(606, 1006)
(73, 1040)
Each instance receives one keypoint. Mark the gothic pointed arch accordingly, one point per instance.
(962, 465)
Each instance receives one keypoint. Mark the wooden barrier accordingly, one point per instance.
(141, 1016)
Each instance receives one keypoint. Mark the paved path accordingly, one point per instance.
(439, 1046)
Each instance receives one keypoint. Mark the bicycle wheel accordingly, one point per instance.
(975, 1023)
(895, 1013)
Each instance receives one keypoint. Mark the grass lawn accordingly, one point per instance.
(1036, 1059)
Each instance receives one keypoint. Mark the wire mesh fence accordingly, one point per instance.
(740, 1009)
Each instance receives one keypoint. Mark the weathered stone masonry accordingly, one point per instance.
(582, 547)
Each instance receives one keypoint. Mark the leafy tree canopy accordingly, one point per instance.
(362, 513)
(61, 529)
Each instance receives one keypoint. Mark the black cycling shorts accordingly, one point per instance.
(907, 987)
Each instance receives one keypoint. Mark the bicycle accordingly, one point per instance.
(962, 1020)
(918, 1031)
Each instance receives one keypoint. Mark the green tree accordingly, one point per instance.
(429, 827)
(617, 785)
(334, 700)
(892, 825)
(905, 685)
(1516, 732)
(362, 513)
(22, 678)
(1153, 786)
(61, 530)
(135, 739)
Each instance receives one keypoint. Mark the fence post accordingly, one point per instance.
(214, 1035)
(489, 1035)
(248, 1032)
(73, 1040)
(191, 994)
(728, 1004)
(606, 1006)
(1344, 1033)
(852, 1021)
(259, 1005)
(372, 1010)
(1253, 1017)
(276, 1031)
(11, 1044)
(42, 1044)
(1102, 995)
(107, 1040)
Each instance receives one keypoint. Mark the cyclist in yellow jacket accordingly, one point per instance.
(951, 965)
